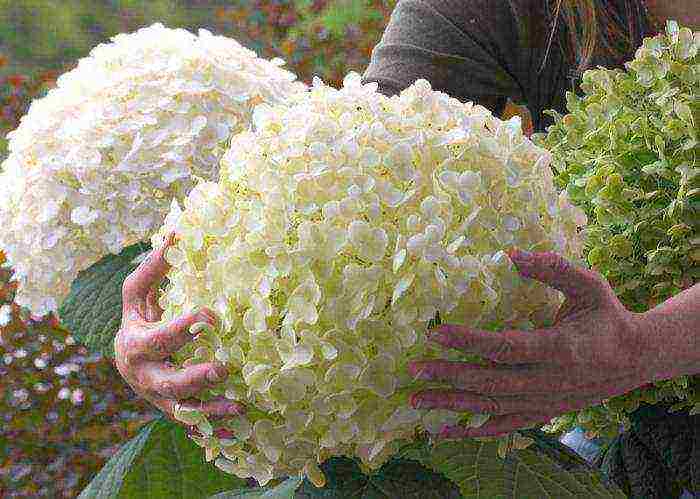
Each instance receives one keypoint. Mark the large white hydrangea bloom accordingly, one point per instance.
(94, 165)
(342, 223)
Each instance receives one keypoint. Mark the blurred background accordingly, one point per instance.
(63, 411)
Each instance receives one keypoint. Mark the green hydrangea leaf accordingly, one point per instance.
(637, 469)
(92, 312)
(398, 478)
(284, 490)
(546, 468)
(646, 473)
(159, 463)
(658, 455)
(109, 480)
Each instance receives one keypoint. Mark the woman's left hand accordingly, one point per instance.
(595, 350)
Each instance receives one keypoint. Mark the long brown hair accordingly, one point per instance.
(612, 29)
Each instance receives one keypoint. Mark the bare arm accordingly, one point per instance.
(675, 325)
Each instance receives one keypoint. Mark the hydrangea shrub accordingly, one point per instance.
(94, 165)
(343, 222)
(628, 153)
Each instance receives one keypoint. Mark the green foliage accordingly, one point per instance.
(546, 468)
(397, 478)
(284, 490)
(657, 456)
(160, 462)
(627, 153)
(109, 481)
(93, 309)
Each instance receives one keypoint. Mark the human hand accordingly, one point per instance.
(142, 346)
(596, 349)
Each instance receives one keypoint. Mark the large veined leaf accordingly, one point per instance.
(546, 468)
(92, 312)
(109, 480)
(159, 463)
(399, 478)
(284, 490)
(658, 456)
(674, 437)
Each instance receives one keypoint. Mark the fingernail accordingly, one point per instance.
(208, 316)
(217, 373)
(203, 316)
(437, 334)
(420, 371)
(414, 369)
(416, 401)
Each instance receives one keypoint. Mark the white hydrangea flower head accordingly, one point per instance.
(94, 165)
(344, 222)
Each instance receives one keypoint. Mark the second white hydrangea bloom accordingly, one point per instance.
(94, 165)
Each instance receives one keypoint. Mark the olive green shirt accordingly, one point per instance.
(474, 50)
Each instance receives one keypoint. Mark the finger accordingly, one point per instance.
(221, 433)
(556, 271)
(497, 426)
(168, 382)
(150, 272)
(500, 380)
(159, 343)
(153, 310)
(521, 380)
(509, 347)
(463, 401)
(216, 408)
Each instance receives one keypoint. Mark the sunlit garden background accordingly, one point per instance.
(65, 411)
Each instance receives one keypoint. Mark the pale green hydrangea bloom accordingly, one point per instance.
(343, 223)
(94, 165)
(628, 154)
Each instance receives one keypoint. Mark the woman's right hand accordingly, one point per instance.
(142, 347)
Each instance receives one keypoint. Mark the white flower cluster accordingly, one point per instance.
(94, 165)
(343, 223)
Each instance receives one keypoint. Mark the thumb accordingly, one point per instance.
(576, 282)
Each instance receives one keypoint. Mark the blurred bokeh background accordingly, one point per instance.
(63, 411)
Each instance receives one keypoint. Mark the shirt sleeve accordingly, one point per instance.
(473, 50)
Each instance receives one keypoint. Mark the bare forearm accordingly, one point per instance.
(674, 326)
